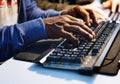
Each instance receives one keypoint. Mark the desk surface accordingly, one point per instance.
(20, 72)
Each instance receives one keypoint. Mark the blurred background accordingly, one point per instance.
(61, 4)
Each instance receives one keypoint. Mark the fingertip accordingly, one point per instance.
(113, 10)
(119, 10)
(91, 37)
(93, 34)
(88, 23)
(96, 21)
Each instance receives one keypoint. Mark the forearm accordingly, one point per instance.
(14, 38)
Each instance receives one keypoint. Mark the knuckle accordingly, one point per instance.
(62, 16)
(92, 11)
(66, 15)
(78, 7)
(89, 10)
(70, 35)
(78, 29)
(86, 14)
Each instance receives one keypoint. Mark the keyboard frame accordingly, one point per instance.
(88, 65)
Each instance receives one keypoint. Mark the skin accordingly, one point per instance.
(68, 23)
(112, 5)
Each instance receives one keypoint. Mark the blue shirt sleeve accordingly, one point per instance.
(13, 38)
(33, 11)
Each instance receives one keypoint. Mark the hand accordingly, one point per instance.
(112, 4)
(100, 15)
(65, 26)
(84, 13)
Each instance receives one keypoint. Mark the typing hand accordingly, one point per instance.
(112, 4)
(84, 13)
(100, 15)
(65, 26)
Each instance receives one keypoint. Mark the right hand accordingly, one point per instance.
(112, 5)
(64, 26)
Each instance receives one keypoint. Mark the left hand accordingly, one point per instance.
(80, 12)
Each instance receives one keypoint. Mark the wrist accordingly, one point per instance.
(64, 12)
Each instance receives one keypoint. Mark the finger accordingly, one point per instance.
(69, 37)
(114, 5)
(73, 18)
(82, 25)
(101, 15)
(76, 29)
(119, 7)
(93, 16)
(84, 14)
(106, 4)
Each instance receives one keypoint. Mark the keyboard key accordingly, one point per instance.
(95, 51)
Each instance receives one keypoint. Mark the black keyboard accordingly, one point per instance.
(89, 54)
